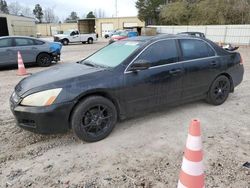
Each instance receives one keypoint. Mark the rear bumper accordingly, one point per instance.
(43, 120)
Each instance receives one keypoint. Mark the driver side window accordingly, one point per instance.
(73, 33)
(160, 53)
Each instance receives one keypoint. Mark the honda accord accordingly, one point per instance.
(122, 80)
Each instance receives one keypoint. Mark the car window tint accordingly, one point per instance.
(24, 42)
(195, 49)
(5, 43)
(38, 42)
(159, 53)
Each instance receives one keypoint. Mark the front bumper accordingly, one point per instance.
(43, 120)
(56, 57)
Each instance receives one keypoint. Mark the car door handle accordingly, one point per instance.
(213, 64)
(175, 71)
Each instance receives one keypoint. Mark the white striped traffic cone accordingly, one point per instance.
(192, 169)
(21, 68)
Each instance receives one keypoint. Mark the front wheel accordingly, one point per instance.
(219, 91)
(44, 60)
(94, 119)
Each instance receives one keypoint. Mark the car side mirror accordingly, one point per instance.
(139, 65)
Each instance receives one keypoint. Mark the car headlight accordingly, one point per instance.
(43, 98)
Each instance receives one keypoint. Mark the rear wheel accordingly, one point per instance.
(90, 41)
(44, 60)
(219, 91)
(65, 42)
(94, 118)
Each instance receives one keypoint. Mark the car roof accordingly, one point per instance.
(160, 36)
(191, 32)
(26, 37)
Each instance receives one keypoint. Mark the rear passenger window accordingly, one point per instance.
(195, 49)
(24, 42)
(38, 42)
(160, 53)
(5, 43)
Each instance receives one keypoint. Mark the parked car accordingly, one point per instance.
(119, 35)
(73, 36)
(196, 34)
(122, 80)
(33, 50)
(109, 34)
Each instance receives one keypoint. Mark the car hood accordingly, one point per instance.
(54, 77)
(60, 35)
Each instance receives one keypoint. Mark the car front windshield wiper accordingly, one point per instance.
(91, 64)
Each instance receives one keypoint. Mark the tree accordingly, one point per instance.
(15, 8)
(99, 13)
(90, 15)
(38, 12)
(148, 10)
(205, 12)
(26, 11)
(72, 17)
(49, 16)
(176, 13)
(4, 7)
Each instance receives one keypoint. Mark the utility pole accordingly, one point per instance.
(116, 12)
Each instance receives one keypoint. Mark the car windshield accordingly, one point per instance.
(113, 54)
(121, 33)
(67, 32)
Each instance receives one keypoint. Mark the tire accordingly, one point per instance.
(90, 40)
(44, 60)
(65, 42)
(93, 119)
(219, 91)
(83, 42)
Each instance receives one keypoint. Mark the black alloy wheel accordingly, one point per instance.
(94, 118)
(44, 60)
(219, 90)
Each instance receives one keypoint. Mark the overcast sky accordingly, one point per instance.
(64, 7)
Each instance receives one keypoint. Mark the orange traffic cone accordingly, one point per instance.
(192, 169)
(21, 68)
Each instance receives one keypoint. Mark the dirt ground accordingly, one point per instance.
(144, 151)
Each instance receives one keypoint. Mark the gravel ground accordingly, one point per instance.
(145, 151)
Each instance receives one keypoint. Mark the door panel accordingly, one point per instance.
(201, 65)
(159, 85)
(199, 74)
(27, 48)
(6, 52)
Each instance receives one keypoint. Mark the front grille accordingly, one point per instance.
(27, 123)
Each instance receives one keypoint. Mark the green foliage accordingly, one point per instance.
(90, 15)
(72, 17)
(148, 10)
(38, 12)
(4, 7)
(205, 12)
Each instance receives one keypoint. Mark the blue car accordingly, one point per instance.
(33, 50)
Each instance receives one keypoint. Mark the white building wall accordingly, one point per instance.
(235, 34)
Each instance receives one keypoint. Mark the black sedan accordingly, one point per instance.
(122, 80)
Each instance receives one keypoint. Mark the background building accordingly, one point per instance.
(17, 25)
(101, 25)
(105, 25)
